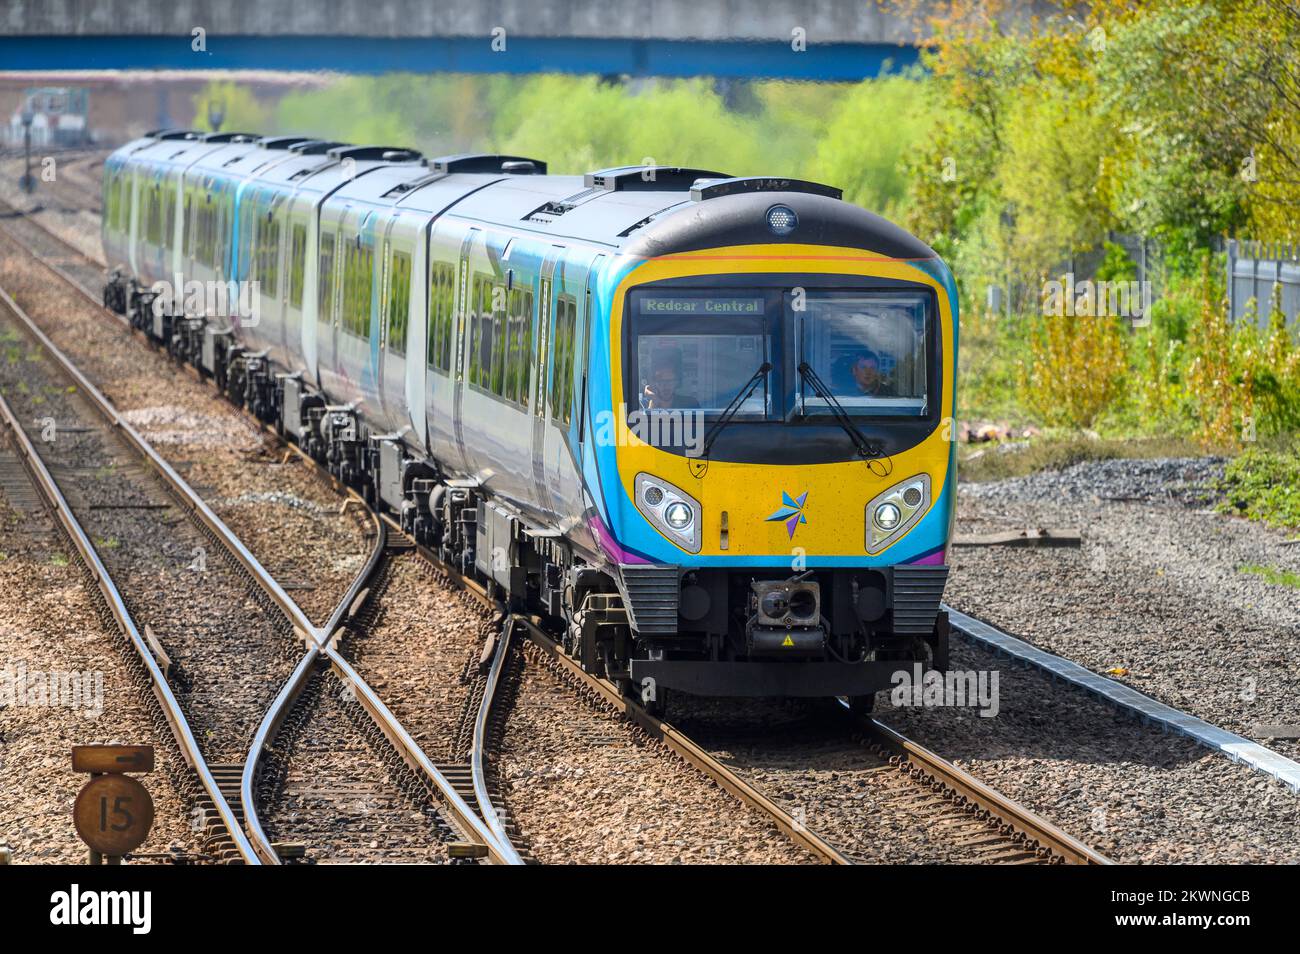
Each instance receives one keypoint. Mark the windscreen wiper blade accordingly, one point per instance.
(731, 409)
(868, 449)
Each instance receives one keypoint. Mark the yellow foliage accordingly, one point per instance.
(1077, 369)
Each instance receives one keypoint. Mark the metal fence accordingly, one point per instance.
(1254, 268)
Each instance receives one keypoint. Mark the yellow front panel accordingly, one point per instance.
(750, 493)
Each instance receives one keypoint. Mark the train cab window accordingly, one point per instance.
(700, 351)
(519, 346)
(566, 320)
(869, 349)
(399, 301)
(297, 259)
(325, 280)
(442, 282)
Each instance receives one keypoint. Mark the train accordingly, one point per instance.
(699, 425)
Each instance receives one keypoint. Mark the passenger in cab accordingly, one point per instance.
(663, 390)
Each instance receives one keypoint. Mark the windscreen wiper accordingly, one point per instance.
(730, 410)
(868, 449)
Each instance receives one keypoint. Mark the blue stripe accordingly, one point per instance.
(845, 62)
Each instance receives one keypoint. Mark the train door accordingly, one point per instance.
(567, 400)
(444, 258)
(396, 334)
(356, 332)
(295, 294)
(327, 305)
(134, 192)
(417, 330)
(314, 277)
(552, 274)
(463, 307)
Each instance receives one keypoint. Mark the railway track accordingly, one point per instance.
(192, 663)
(987, 827)
(1010, 832)
(224, 839)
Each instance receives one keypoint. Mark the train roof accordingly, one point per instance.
(644, 211)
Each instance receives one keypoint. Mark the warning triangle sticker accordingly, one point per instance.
(788, 640)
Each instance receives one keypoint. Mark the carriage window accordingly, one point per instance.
(205, 231)
(399, 302)
(520, 345)
(358, 286)
(297, 258)
(268, 253)
(481, 336)
(566, 318)
(325, 280)
(441, 300)
(868, 349)
(153, 232)
(169, 215)
(499, 325)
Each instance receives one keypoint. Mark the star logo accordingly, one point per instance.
(792, 512)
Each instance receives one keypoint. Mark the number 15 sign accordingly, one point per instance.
(112, 813)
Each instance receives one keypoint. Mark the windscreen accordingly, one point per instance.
(699, 351)
(867, 349)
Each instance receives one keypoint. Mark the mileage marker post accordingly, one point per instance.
(113, 813)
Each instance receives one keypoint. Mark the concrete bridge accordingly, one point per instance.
(795, 39)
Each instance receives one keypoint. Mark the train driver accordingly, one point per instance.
(663, 390)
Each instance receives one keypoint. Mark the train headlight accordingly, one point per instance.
(678, 515)
(888, 516)
(892, 513)
(781, 219)
(675, 513)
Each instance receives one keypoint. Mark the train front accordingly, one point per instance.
(782, 377)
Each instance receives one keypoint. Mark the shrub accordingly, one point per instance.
(1077, 369)
(1264, 484)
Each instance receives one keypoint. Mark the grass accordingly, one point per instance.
(1270, 575)
(1264, 484)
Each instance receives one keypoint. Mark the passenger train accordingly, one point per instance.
(700, 424)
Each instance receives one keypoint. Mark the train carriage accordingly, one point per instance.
(700, 423)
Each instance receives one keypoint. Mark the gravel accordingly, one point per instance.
(1181, 479)
(1156, 589)
(333, 784)
(808, 759)
(585, 786)
(48, 624)
(291, 520)
(1154, 594)
(417, 643)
